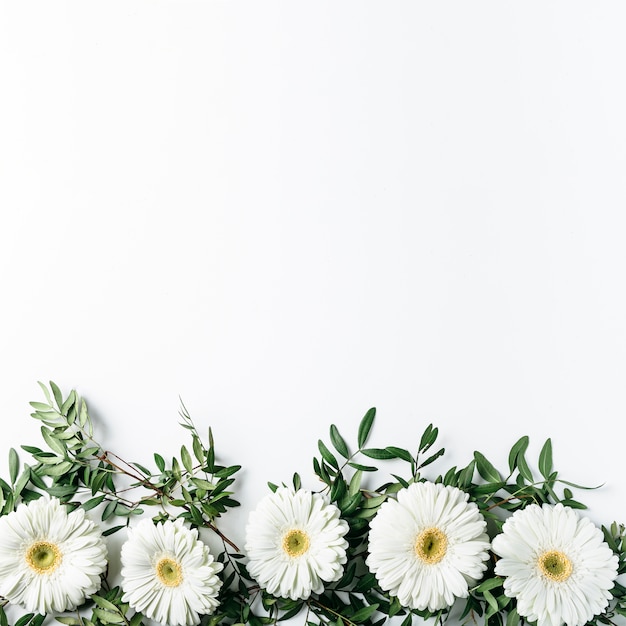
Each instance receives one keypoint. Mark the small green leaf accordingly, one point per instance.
(60, 469)
(68, 621)
(519, 448)
(339, 442)
(428, 438)
(545, 459)
(93, 502)
(109, 510)
(186, 459)
(203, 484)
(355, 483)
(365, 427)
(433, 457)
(512, 618)
(54, 444)
(327, 454)
(493, 603)
(58, 396)
(400, 453)
(104, 604)
(363, 468)
(159, 461)
(83, 416)
(14, 465)
(378, 453)
(196, 446)
(486, 469)
(490, 583)
(363, 614)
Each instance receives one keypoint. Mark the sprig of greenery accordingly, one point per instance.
(192, 485)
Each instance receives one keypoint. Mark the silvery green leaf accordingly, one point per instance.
(14, 465)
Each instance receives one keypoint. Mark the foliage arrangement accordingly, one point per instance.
(475, 543)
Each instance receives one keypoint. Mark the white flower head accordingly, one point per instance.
(50, 560)
(295, 542)
(168, 574)
(556, 564)
(427, 546)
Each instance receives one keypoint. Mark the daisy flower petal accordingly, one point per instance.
(168, 574)
(50, 560)
(557, 565)
(428, 546)
(295, 542)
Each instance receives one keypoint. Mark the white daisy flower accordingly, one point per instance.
(428, 546)
(557, 565)
(168, 574)
(295, 541)
(50, 560)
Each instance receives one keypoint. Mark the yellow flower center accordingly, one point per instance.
(43, 557)
(296, 542)
(555, 565)
(169, 572)
(431, 545)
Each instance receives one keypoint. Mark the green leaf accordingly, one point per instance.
(365, 427)
(363, 614)
(109, 510)
(93, 502)
(60, 469)
(428, 438)
(58, 396)
(399, 453)
(339, 442)
(69, 402)
(327, 454)
(107, 617)
(54, 444)
(519, 448)
(203, 484)
(355, 483)
(104, 604)
(24, 619)
(378, 453)
(493, 603)
(186, 459)
(512, 618)
(83, 415)
(363, 468)
(490, 583)
(14, 465)
(545, 459)
(159, 461)
(136, 619)
(486, 469)
(196, 446)
(433, 457)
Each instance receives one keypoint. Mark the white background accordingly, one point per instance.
(288, 212)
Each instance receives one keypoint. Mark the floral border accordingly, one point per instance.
(330, 559)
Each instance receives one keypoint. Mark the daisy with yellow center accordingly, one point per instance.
(50, 560)
(557, 565)
(169, 574)
(428, 546)
(295, 542)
